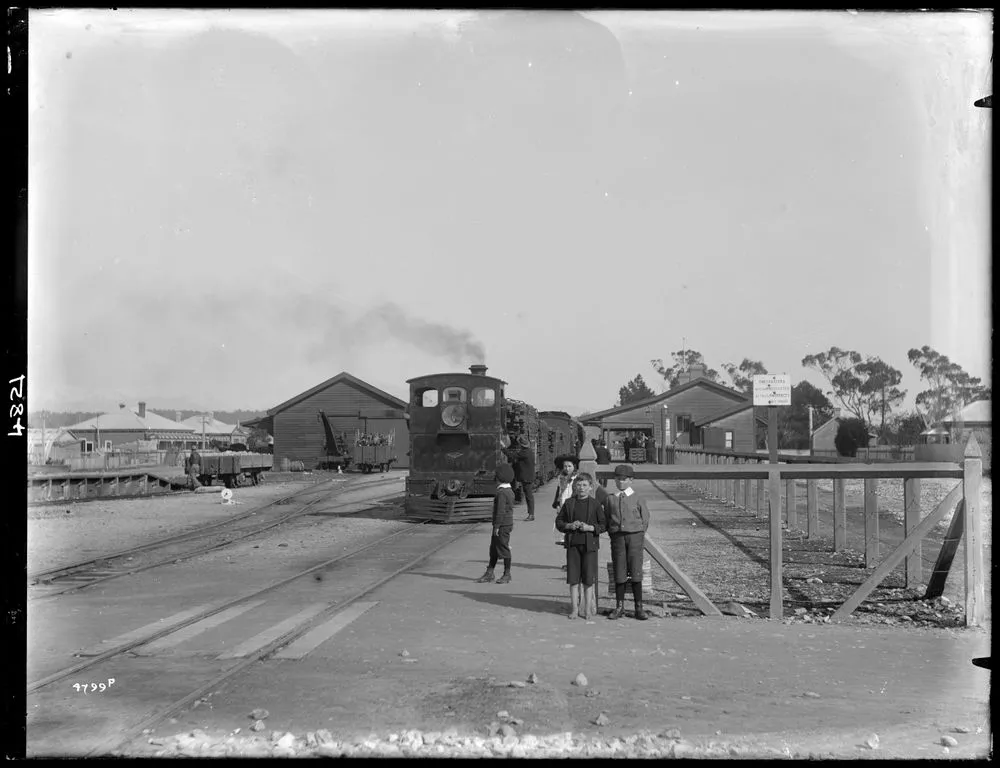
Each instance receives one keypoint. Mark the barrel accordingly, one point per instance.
(647, 579)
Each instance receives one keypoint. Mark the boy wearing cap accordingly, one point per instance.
(503, 524)
(627, 519)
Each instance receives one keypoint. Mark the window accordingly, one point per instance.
(453, 395)
(88, 447)
(683, 424)
(425, 398)
(483, 397)
(107, 445)
(729, 441)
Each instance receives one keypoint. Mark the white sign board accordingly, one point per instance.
(772, 389)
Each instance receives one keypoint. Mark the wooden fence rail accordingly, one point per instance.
(739, 479)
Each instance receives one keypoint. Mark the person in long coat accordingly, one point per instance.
(523, 459)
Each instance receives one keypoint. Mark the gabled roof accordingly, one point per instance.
(212, 426)
(342, 376)
(125, 420)
(727, 411)
(699, 382)
(979, 411)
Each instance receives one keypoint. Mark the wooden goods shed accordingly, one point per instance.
(350, 404)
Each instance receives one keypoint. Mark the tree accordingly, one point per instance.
(851, 435)
(880, 390)
(683, 359)
(742, 376)
(951, 387)
(864, 386)
(793, 421)
(634, 391)
(904, 429)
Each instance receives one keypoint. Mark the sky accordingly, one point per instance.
(228, 208)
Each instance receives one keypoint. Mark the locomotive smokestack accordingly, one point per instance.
(477, 370)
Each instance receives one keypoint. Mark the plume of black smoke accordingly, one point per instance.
(387, 319)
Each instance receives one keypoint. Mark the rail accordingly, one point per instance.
(749, 481)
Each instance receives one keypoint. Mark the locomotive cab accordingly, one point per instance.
(456, 444)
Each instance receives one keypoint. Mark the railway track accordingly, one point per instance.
(172, 549)
(356, 574)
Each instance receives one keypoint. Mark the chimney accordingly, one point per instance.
(697, 371)
(836, 413)
(142, 410)
(477, 370)
(177, 415)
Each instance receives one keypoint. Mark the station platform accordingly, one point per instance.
(434, 650)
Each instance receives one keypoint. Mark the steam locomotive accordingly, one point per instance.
(461, 425)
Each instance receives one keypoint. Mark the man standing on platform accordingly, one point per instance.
(603, 457)
(524, 472)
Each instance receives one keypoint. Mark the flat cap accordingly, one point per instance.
(505, 473)
(624, 470)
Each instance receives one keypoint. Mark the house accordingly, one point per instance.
(824, 437)
(975, 418)
(679, 415)
(209, 430)
(109, 430)
(733, 428)
(350, 405)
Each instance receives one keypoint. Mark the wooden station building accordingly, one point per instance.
(697, 412)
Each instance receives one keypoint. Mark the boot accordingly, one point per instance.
(618, 611)
(640, 614)
(505, 578)
(486, 578)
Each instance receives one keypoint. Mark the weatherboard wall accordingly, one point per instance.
(298, 429)
(696, 402)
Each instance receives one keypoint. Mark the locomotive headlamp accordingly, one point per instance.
(453, 415)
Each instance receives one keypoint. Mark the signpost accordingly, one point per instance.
(773, 391)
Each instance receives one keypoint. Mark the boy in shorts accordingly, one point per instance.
(581, 519)
(503, 524)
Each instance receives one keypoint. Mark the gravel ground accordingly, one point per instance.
(60, 534)
(726, 553)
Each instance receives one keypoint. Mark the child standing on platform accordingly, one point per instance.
(627, 520)
(581, 519)
(503, 524)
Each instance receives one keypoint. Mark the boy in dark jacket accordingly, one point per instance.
(581, 519)
(627, 519)
(503, 524)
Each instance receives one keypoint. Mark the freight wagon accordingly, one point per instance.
(234, 468)
(374, 450)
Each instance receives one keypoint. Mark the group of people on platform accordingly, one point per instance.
(584, 512)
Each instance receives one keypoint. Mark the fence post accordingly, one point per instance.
(759, 497)
(975, 594)
(839, 515)
(912, 565)
(791, 513)
(774, 506)
(871, 522)
(812, 509)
